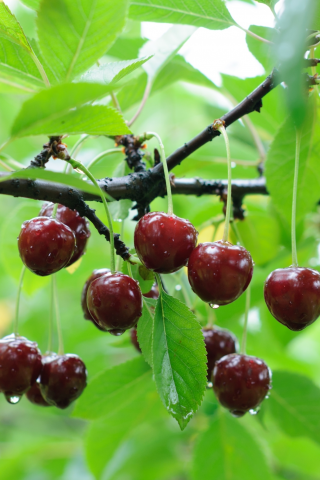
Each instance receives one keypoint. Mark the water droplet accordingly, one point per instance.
(178, 288)
(209, 385)
(13, 399)
(212, 305)
(254, 411)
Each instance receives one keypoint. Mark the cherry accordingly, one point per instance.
(164, 242)
(95, 274)
(293, 296)
(78, 224)
(20, 366)
(34, 395)
(241, 382)
(218, 342)
(63, 379)
(115, 302)
(219, 272)
(45, 245)
(134, 339)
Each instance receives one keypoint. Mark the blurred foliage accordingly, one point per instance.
(119, 429)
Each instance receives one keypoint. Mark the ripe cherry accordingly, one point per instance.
(164, 242)
(45, 245)
(63, 379)
(219, 272)
(95, 274)
(115, 302)
(241, 382)
(218, 342)
(293, 296)
(20, 366)
(134, 339)
(78, 224)
(34, 396)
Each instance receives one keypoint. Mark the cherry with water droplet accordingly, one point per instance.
(95, 274)
(115, 302)
(63, 379)
(219, 342)
(241, 382)
(219, 272)
(45, 245)
(20, 365)
(164, 242)
(293, 296)
(78, 224)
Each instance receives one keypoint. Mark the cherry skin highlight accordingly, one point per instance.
(78, 224)
(45, 245)
(63, 379)
(219, 342)
(164, 242)
(95, 274)
(20, 365)
(241, 382)
(293, 296)
(115, 302)
(219, 272)
(34, 396)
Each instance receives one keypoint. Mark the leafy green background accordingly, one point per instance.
(120, 429)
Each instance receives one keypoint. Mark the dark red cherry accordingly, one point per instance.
(78, 224)
(45, 245)
(95, 274)
(293, 296)
(34, 396)
(218, 342)
(115, 302)
(20, 366)
(153, 293)
(219, 272)
(63, 379)
(241, 382)
(134, 339)
(164, 242)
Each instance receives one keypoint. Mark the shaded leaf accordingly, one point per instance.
(146, 328)
(144, 284)
(179, 358)
(111, 73)
(114, 389)
(75, 38)
(228, 451)
(120, 210)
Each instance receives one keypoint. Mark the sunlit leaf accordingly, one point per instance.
(11, 29)
(113, 72)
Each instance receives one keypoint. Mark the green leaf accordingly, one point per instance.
(34, 4)
(111, 73)
(75, 38)
(144, 284)
(211, 14)
(164, 48)
(227, 451)
(120, 210)
(126, 48)
(295, 405)
(50, 111)
(270, 3)
(146, 328)
(114, 389)
(280, 167)
(11, 29)
(263, 52)
(179, 358)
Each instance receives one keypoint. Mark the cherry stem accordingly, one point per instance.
(16, 321)
(54, 211)
(159, 282)
(165, 169)
(81, 167)
(40, 68)
(101, 155)
(129, 269)
(142, 104)
(246, 316)
(294, 200)
(222, 130)
(50, 334)
(56, 304)
(119, 259)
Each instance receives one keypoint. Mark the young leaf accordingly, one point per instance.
(164, 48)
(75, 38)
(228, 451)
(114, 389)
(295, 405)
(179, 358)
(146, 328)
(111, 73)
(280, 167)
(49, 111)
(211, 14)
(11, 29)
